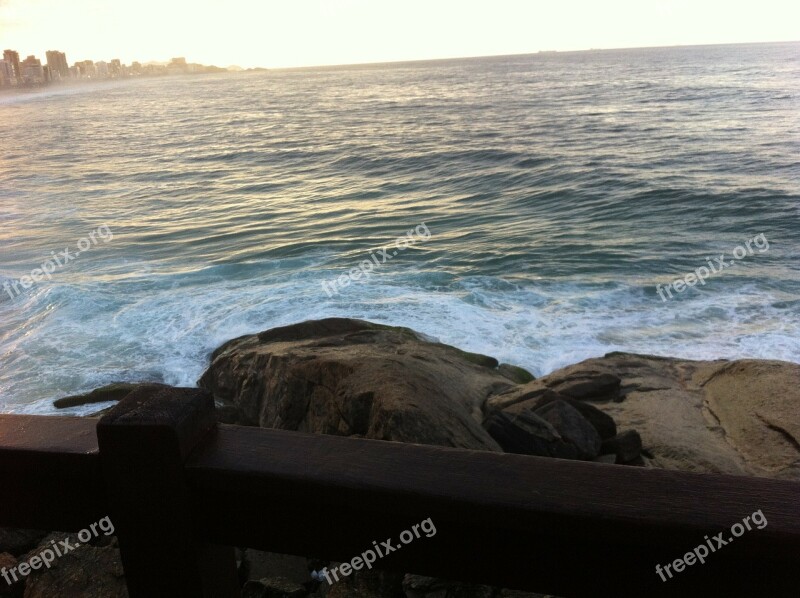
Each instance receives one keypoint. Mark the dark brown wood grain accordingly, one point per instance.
(143, 442)
(176, 485)
(49, 473)
(566, 527)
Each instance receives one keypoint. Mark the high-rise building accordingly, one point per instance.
(12, 57)
(115, 68)
(177, 66)
(86, 69)
(57, 61)
(6, 74)
(32, 71)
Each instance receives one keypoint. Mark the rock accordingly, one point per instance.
(262, 565)
(520, 594)
(254, 589)
(572, 427)
(527, 434)
(608, 459)
(356, 378)
(111, 392)
(583, 383)
(757, 404)
(627, 446)
(19, 541)
(367, 584)
(13, 589)
(515, 373)
(529, 393)
(88, 571)
(734, 417)
(230, 414)
(602, 422)
(420, 586)
(273, 587)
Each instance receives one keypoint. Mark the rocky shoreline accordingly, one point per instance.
(360, 379)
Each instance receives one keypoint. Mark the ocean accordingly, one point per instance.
(561, 194)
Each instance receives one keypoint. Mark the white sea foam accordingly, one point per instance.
(97, 336)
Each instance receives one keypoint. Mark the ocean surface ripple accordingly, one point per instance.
(559, 190)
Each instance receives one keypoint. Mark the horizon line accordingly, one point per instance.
(531, 53)
(450, 58)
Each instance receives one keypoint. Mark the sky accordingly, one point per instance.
(287, 33)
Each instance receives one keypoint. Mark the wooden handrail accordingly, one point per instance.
(180, 488)
(566, 527)
(50, 472)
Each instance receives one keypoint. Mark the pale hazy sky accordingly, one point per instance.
(313, 32)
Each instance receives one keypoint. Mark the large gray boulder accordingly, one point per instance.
(572, 427)
(89, 571)
(526, 433)
(356, 378)
(735, 417)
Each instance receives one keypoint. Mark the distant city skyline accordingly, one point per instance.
(258, 33)
(31, 71)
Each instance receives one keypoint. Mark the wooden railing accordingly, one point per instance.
(181, 490)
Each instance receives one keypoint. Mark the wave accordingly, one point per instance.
(167, 332)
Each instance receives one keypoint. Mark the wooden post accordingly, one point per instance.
(144, 442)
